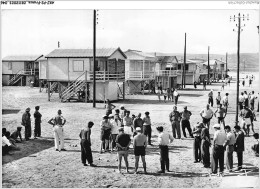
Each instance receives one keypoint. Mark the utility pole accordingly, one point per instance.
(94, 60)
(238, 54)
(184, 64)
(208, 65)
(244, 66)
(226, 65)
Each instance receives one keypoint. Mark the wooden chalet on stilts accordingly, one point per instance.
(166, 71)
(139, 71)
(70, 72)
(20, 70)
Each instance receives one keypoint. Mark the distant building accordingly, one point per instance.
(139, 71)
(72, 70)
(217, 68)
(20, 70)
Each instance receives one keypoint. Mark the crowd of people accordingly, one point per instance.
(119, 130)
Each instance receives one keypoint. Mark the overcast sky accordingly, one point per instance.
(26, 32)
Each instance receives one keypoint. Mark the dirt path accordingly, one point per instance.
(38, 165)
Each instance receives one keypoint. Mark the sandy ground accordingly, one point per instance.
(37, 164)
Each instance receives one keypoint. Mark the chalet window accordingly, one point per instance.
(91, 65)
(186, 67)
(9, 65)
(78, 65)
(179, 67)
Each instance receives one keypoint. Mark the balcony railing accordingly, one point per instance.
(166, 72)
(105, 75)
(139, 75)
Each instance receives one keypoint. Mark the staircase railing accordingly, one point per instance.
(16, 77)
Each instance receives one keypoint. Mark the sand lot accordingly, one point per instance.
(37, 164)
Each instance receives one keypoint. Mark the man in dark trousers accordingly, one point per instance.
(138, 122)
(185, 121)
(26, 122)
(197, 142)
(205, 144)
(17, 134)
(37, 127)
(86, 153)
(239, 146)
(164, 140)
(175, 121)
(218, 150)
(210, 100)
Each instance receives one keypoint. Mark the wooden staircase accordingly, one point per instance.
(73, 88)
(16, 78)
(53, 87)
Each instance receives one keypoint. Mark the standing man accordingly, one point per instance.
(123, 113)
(116, 124)
(138, 122)
(147, 127)
(252, 100)
(220, 113)
(210, 95)
(164, 140)
(109, 107)
(205, 144)
(128, 124)
(239, 146)
(37, 127)
(246, 115)
(229, 146)
(225, 101)
(246, 99)
(197, 142)
(185, 121)
(58, 122)
(218, 150)
(206, 115)
(204, 84)
(85, 143)
(123, 142)
(176, 96)
(241, 100)
(218, 99)
(105, 133)
(140, 144)
(26, 122)
(175, 121)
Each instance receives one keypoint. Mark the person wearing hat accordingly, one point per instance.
(225, 101)
(116, 124)
(147, 128)
(85, 143)
(175, 122)
(109, 107)
(139, 145)
(218, 99)
(210, 95)
(164, 139)
(218, 150)
(185, 121)
(206, 115)
(123, 142)
(37, 122)
(58, 122)
(26, 122)
(239, 146)
(229, 146)
(197, 142)
(17, 134)
(220, 113)
(246, 119)
(105, 126)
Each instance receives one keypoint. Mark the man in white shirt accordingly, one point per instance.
(164, 140)
(206, 115)
(218, 150)
(241, 100)
(229, 145)
(6, 145)
(225, 101)
(252, 100)
(116, 124)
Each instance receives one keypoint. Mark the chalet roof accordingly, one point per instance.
(83, 53)
(139, 55)
(166, 59)
(190, 61)
(22, 58)
(211, 62)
